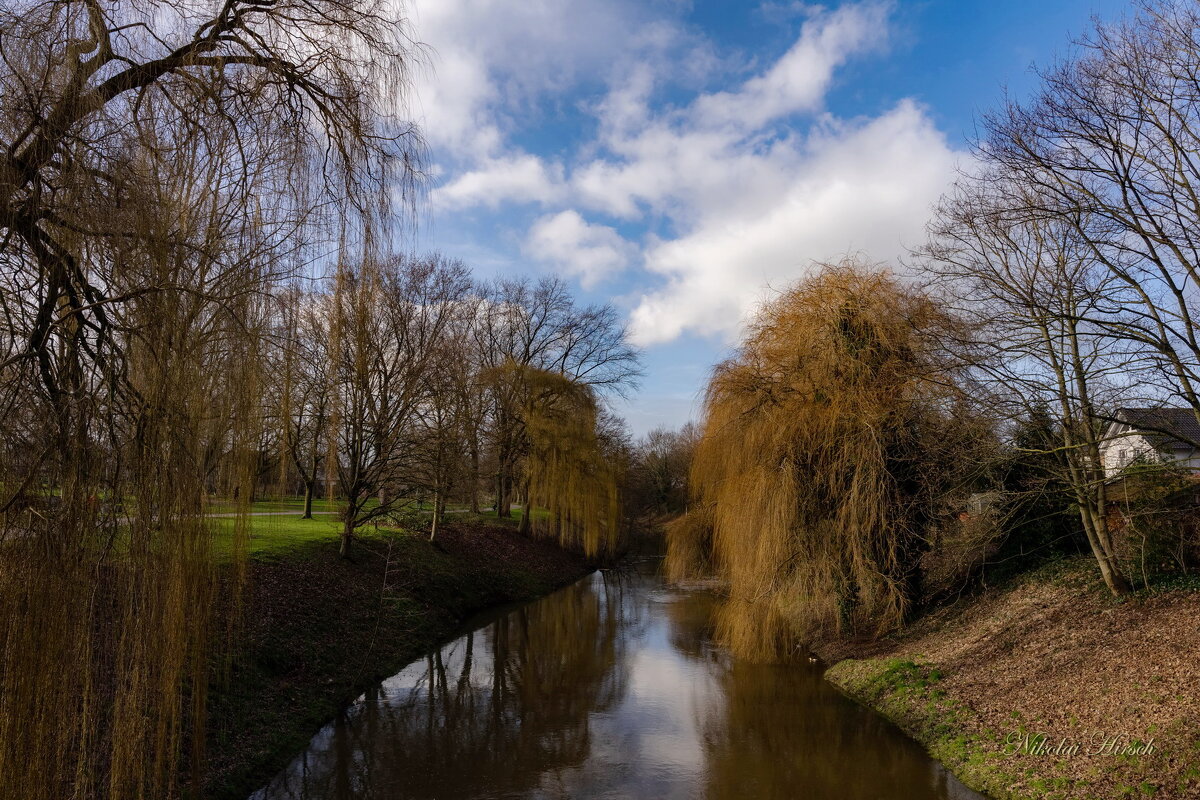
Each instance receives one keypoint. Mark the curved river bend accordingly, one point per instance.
(609, 688)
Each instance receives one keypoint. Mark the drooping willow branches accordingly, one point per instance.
(567, 470)
(826, 441)
(163, 166)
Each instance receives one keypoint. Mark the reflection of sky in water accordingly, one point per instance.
(607, 689)
(652, 733)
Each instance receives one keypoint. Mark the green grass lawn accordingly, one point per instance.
(537, 513)
(224, 506)
(270, 535)
(320, 504)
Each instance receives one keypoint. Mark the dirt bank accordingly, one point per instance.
(1114, 688)
(317, 631)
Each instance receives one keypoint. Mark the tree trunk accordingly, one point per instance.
(437, 513)
(502, 497)
(308, 498)
(1114, 579)
(347, 534)
(526, 517)
(474, 490)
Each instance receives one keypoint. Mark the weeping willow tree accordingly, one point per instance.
(567, 470)
(163, 166)
(690, 554)
(108, 589)
(827, 442)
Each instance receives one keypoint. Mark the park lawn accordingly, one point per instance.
(275, 535)
(539, 514)
(320, 505)
(227, 506)
(324, 505)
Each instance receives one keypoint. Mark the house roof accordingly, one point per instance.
(1163, 426)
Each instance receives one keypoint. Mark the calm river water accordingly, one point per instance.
(609, 688)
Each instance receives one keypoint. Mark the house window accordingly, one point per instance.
(1122, 456)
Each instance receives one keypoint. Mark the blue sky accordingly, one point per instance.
(682, 160)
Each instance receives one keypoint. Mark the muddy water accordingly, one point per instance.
(610, 688)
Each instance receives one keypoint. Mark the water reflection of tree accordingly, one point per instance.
(691, 626)
(783, 732)
(492, 712)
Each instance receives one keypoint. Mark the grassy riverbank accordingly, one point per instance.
(317, 630)
(1049, 656)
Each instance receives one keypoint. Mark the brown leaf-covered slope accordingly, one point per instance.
(1052, 656)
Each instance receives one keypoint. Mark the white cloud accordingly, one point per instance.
(747, 186)
(588, 251)
(799, 80)
(493, 60)
(518, 178)
(497, 67)
(858, 188)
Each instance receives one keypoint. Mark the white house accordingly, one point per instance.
(1166, 435)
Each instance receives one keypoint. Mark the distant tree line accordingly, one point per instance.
(403, 382)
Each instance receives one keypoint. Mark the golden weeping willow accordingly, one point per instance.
(107, 590)
(161, 171)
(690, 554)
(567, 469)
(822, 450)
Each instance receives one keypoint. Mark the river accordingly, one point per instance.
(609, 688)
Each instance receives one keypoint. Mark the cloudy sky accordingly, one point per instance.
(681, 160)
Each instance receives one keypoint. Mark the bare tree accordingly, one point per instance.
(390, 321)
(306, 386)
(1110, 145)
(472, 400)
(538, 325)
(443, 419)
(660, 468)
(1032, 286)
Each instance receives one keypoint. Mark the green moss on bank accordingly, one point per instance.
(906, 691)
(316, 630)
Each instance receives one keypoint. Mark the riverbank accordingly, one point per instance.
(318, 630)
(1046, 688)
